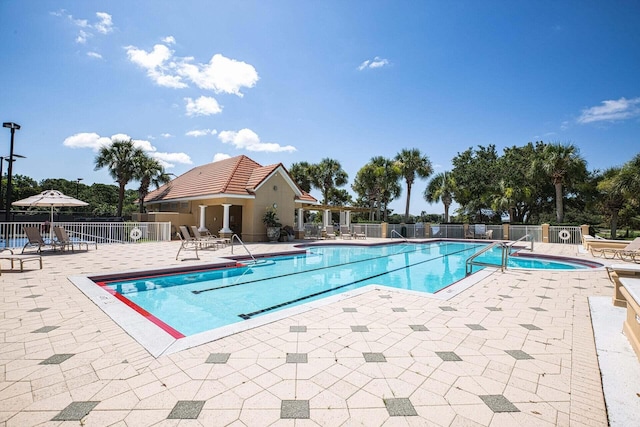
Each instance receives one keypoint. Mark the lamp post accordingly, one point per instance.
(13, 127)
(78, 186)
(2, 160)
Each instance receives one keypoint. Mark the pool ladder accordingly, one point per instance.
(504, 259)
(399, 235)
(235, 236)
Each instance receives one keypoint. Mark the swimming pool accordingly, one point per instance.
(188, 303)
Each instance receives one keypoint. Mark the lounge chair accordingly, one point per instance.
(487, 235)
(330, 232)
(64, 240)
(345, 233)
(20, 258)
(206, 237)
(631, 252)
(35, 239)
(187, 242)
(358, 232)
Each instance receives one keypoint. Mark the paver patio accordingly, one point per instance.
(522, 340)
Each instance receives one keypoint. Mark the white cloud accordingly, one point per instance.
(247, 139)
(220, 74)
(172, 157)
(86, 140)
(201, 132)
(157, 64)
(376, 62)
(104, 25)
(94, 55)
(166, 135)
(611, 111)
(203, 106)
(220, 156)
(95, 142)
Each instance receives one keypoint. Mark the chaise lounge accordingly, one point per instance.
(20, 258)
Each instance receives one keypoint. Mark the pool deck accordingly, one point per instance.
(517, 348)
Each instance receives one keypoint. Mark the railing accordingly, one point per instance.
(12, 233)
(471, 261)
(236, 237)
(398, 234)
(517, 231)
(369, 230)
(526, 236)
(447, 231)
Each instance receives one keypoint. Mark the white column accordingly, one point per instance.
(327, 217)
(347, 218)
(203, 209)
(300, 219)
(225, 219)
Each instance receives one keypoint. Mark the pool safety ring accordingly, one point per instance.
(135, 233)
(564, 235)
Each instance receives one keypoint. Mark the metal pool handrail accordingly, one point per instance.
(235, 236)
(471, 260)
(399, 235)
(510, 244)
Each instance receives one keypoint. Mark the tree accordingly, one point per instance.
(301, 175)
(387, 174)
(148, 171)
(611, 197)
(562, 164)
(412, 163)
(327, 175)
(366, 187)
(441, 189)
(476, 174)
(119, 159)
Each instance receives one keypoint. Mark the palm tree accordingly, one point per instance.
(387, 174)
(148, 171)
(611, 196)
(119, 159)
(327, 175)
(441, 189)
(412, 164)
(301, 174)
(562, 163)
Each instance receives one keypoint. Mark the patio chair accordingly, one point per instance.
(487, 235)
(187, 242)
(206, 237)
(631, 252)
(35, 239)
(358, 232)
(63, 239)
(345, 233)
(20, 258)
(330, 232)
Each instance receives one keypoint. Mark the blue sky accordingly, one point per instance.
(290, 81)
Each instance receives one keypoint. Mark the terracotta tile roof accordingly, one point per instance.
(234, 176)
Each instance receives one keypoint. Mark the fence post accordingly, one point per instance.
(465, 230)
(383, 230)
(505, 231)
(584, 229)
(545, 233)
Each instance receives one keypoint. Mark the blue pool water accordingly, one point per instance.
(198, 301)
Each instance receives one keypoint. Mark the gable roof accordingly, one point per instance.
(234, 177)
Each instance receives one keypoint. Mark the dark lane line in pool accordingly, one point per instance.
(274, 307)
(299, 272)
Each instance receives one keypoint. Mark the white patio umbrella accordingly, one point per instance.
(50, 198)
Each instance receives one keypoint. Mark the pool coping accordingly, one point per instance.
(158, 341)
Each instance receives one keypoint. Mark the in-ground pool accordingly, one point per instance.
(189, 303)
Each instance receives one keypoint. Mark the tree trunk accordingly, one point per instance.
(406, 209)
(446, 213)
(120, 199)
(614, 224)
(559, 205)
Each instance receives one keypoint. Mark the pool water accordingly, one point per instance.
(194, 302)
